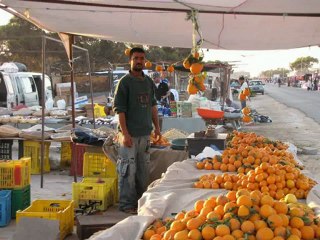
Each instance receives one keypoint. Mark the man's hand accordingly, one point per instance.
(157, 134)
(127, 140)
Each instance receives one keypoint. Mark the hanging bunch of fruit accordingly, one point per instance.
(196, 77)
(194, 61)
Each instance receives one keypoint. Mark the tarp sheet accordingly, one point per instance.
(231, 25)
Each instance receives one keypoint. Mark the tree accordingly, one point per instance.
(282, 72)
(303, 63)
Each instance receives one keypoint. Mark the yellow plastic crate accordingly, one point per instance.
(65, 155)
(15, 173)
(94, 189)
(61, 210)
(98, 165)
(33, 149)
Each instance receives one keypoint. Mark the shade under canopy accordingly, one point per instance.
(231, 25)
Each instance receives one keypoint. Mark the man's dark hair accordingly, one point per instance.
(136, 49)
(241, 78)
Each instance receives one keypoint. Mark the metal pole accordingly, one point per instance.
(91, 91)
(73, 150)
(43, 108)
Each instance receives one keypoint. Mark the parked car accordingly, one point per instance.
(256, 86)
(234, 87)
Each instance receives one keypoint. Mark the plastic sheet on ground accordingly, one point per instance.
(207, 152)
(171, 194)
(293, 149)
(129, 228)
(313, 199)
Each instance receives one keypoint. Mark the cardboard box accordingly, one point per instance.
(65, 89)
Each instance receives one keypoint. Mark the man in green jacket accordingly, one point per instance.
(136, 106)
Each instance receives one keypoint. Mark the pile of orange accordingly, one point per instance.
(238, 215)
(243, 159)
(244, 139)
(276, 180)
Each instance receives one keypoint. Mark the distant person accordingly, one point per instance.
(243, 85)
(161, 88)
(279, 82)
(232, 104)
(309, 85)
(315, 85)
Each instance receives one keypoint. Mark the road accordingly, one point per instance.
(298, 98)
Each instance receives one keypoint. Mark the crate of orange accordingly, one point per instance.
(239, 215)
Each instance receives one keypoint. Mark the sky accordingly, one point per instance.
(249, 61)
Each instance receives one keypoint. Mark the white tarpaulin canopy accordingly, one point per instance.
(225, 24)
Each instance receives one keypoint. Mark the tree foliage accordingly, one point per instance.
(279, 71)
(303, 63)
(21, 42)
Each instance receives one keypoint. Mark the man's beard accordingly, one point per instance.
(137, 68)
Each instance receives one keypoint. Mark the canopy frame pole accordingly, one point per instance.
(91, 90)
(42, 150)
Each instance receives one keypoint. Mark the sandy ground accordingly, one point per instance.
(289, 125)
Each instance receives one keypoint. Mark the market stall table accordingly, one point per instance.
(160, 159)
(187, 124)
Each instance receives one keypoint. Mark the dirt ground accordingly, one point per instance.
(289, 125)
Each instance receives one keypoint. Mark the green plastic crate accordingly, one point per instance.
(20, 199)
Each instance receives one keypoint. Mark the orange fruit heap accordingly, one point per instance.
(244, 159)
(275, 180)
(237, 139)
(238, 215)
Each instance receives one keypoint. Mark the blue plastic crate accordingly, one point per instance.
(5, 207)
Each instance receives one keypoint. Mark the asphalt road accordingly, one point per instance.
(305, 101)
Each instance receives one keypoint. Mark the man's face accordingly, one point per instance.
(156, 79)
(137, 61)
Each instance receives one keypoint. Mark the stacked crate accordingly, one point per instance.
(99, 184)
(15, 177)
(66, 159)
(6, 149)
(61, 210)
(5, 207)
(32, 149)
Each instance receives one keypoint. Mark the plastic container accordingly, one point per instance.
(49, 104)
(103, 191)
(6, 149)
(15, 173)
(99, 111)
(62, 210)
(5, 207)
(80, 150)
(210, 114)
(20, 199)
(61, 104)
(98, 165)
(33, 149)
(65, 154)
(66, 157)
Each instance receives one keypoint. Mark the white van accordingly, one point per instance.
(47, 86)
(7, 92)
(22, 88)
